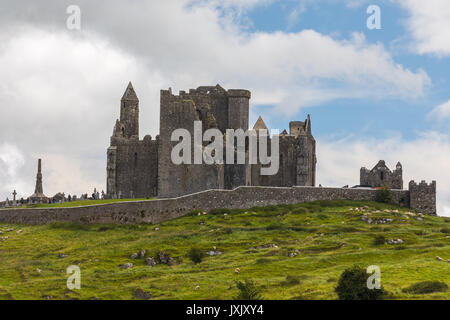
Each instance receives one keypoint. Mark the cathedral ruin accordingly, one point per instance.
(143, 168)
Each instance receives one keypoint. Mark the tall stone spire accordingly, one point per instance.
(129, 94)
(38, 189)
(38, 196)
(129, 112)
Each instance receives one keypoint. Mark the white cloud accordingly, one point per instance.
(59, 99)
(425, 158)
(12, 161)
(440, 113)
(60, 90)
(429, 24)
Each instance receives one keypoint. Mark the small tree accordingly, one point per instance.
(352, 285)
(247, 290)
(384, 195)
(196, 255)
(379, 240)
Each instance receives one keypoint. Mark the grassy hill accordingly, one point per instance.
(290, 252)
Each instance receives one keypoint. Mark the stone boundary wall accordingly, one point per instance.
(156, 211)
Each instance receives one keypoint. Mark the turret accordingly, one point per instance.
(129, 112)
(308, 124)
(238, 109)
(423, 197)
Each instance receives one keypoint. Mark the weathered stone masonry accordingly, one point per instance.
(156, 211)
(143, 168)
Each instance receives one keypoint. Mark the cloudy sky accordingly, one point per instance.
(372, 94)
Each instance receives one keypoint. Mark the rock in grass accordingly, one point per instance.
(265, 246)
(134, 256)
(126, 266)
(439, 258)
(150, 262)
(213, 253)
(142, 254)
(138, 293)
(165, 258)
(62, 255)
(393, 241)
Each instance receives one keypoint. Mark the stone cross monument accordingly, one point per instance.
(14, 197)
(38, 196)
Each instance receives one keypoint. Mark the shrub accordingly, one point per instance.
(445, 230)
(322, 216)
(379, 240)
(313, 207)
(426, 287)
(300, 210)
(228, 230)
(194, 212)
(274, 226)
(291, 281)
(329, 203)
(77, 226)
(270, 208)
(219, 211)
(262, 261)
(247, 290)
(105, 228)
(384, 195)
(196, 255)
(352, 285)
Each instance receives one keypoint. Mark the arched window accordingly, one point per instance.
(382, 175)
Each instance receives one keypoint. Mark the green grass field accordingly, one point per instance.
(327, 237)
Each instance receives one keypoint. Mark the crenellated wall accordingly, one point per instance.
(423, 196)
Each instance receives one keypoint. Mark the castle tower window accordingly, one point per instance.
(382, 175)
(135, 159)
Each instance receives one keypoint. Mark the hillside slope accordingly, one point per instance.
(310, 244)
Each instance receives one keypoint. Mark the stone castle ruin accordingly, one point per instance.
(381, 176)
(143, 168)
